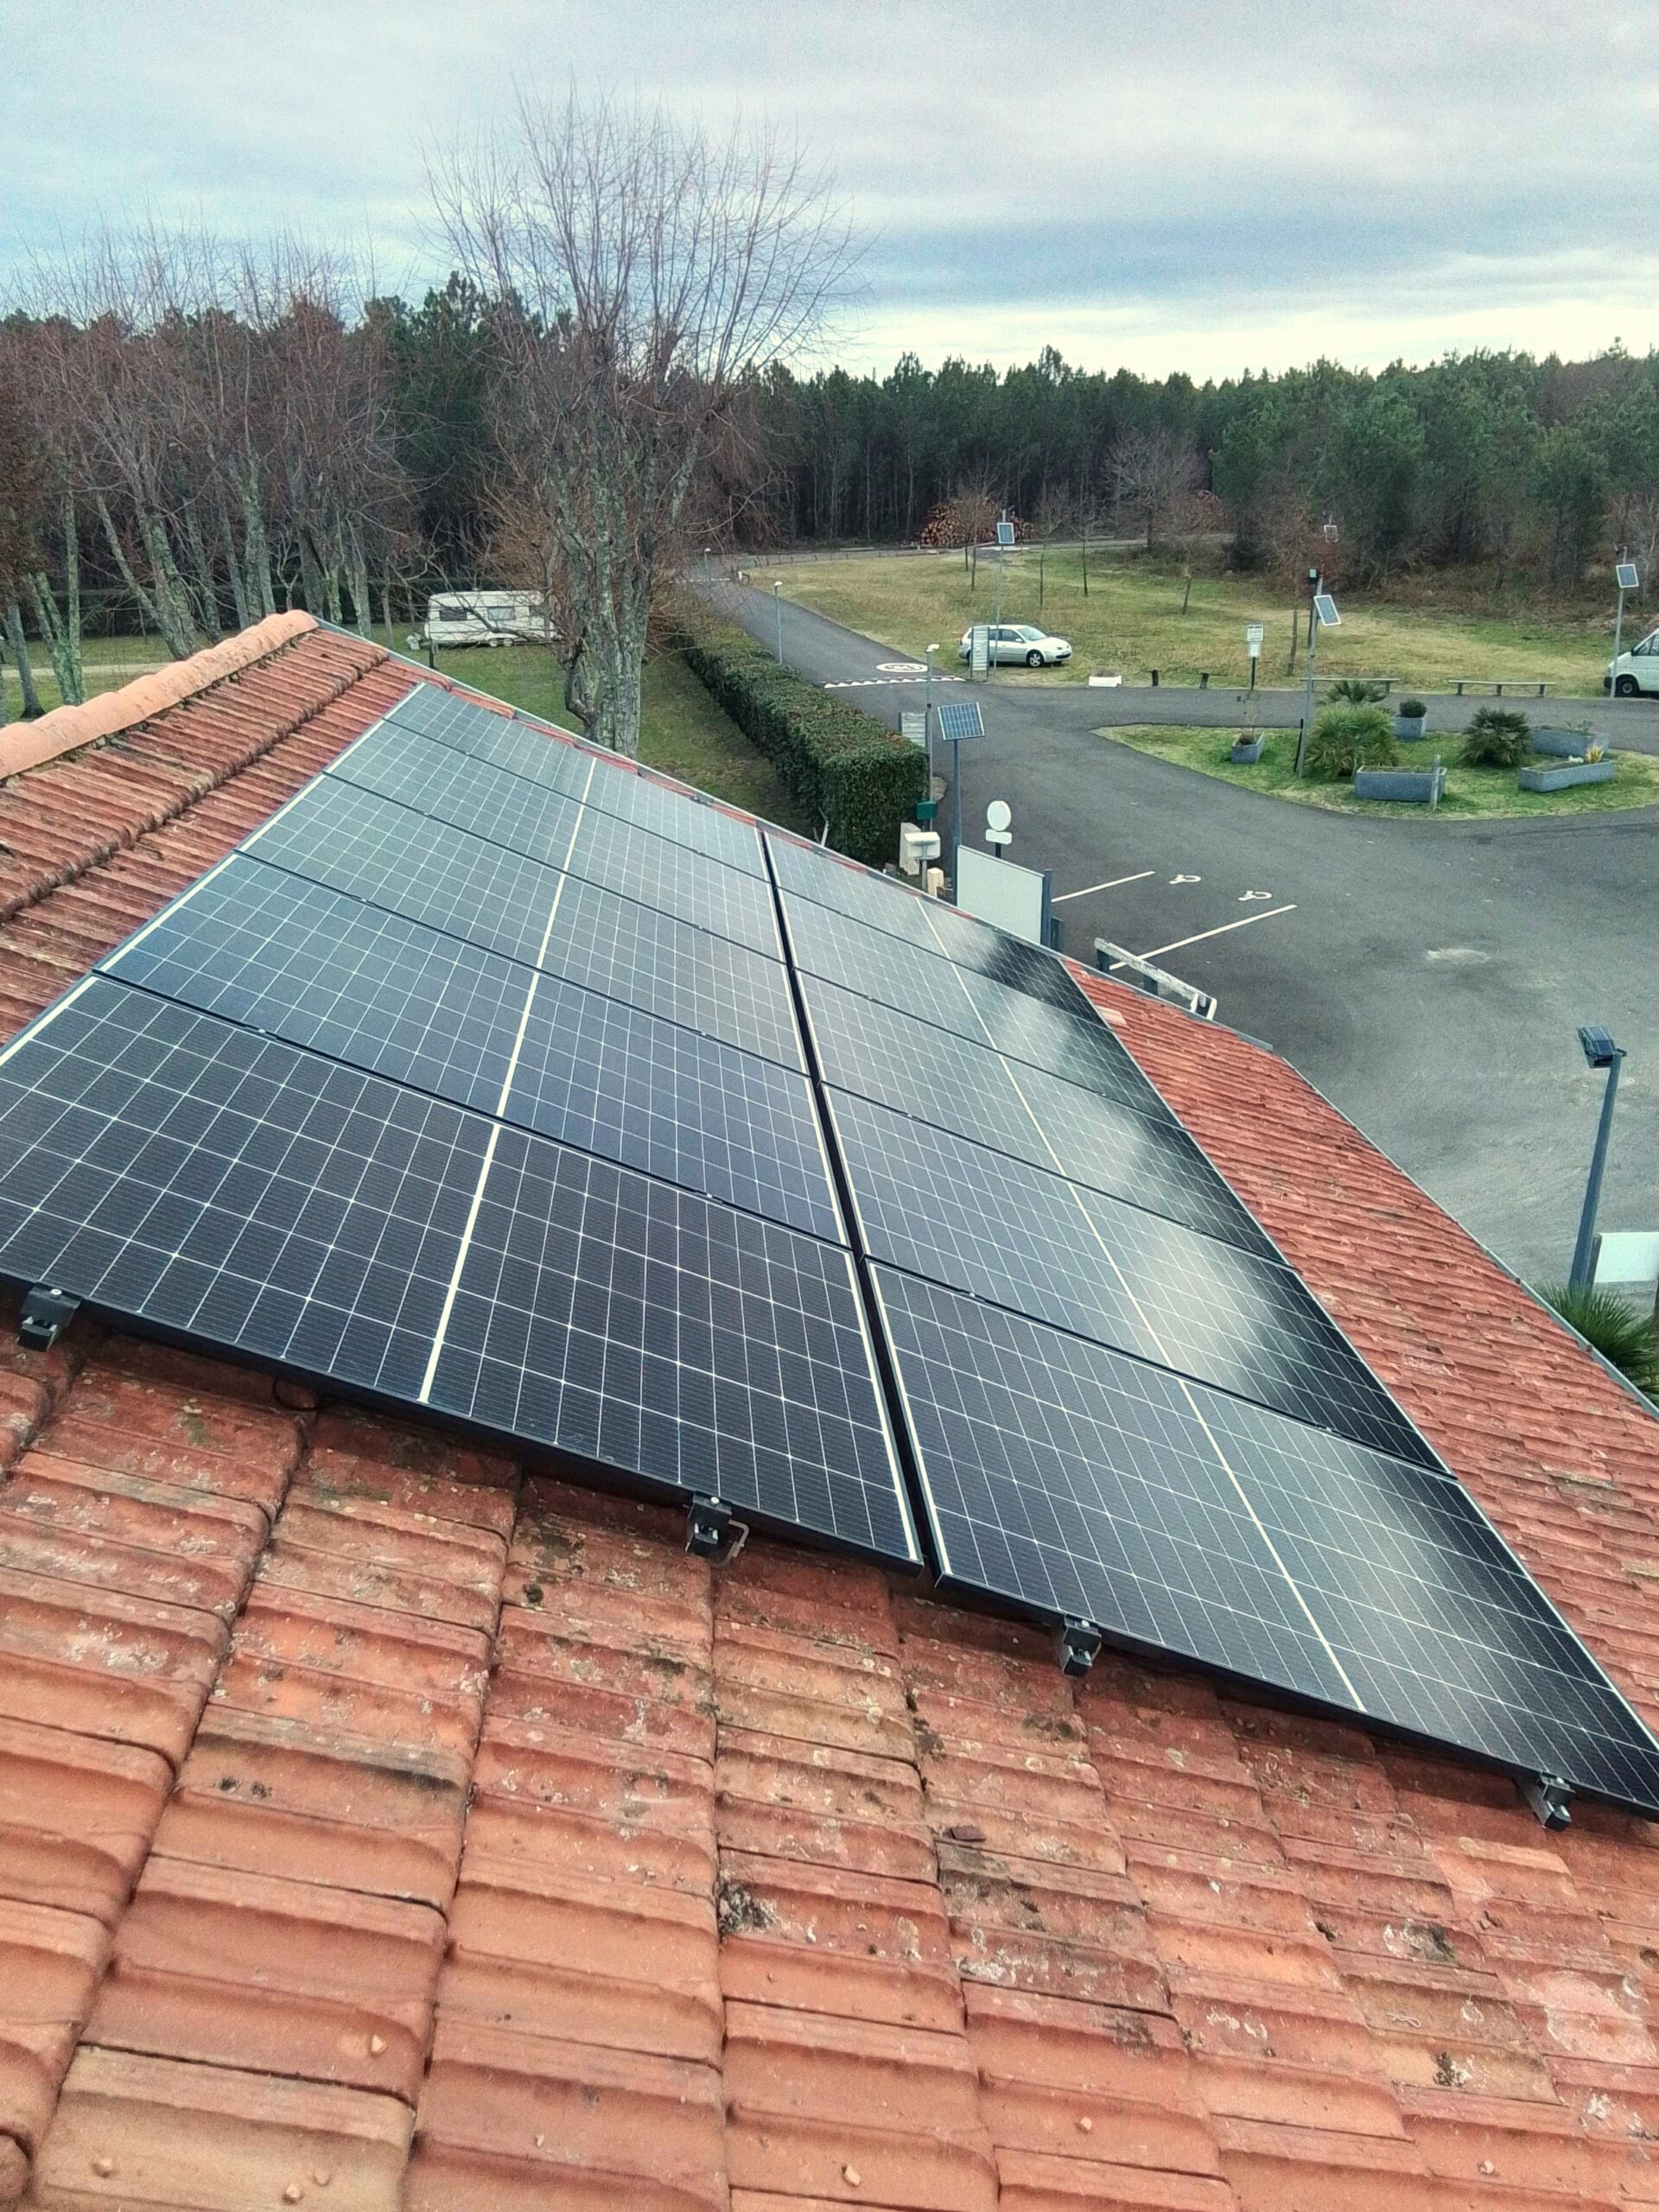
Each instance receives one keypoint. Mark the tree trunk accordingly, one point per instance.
(232, 564)
(20, 653)
(148, 612)
(1295, 633)
(207, 585)
(256, 544)
(4, 710)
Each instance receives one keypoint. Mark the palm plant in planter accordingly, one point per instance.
(1410, 716)
(1497, 737)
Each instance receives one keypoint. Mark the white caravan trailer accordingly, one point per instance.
(486, 618)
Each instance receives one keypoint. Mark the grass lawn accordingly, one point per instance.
(1471, 793)
(1132, 622)
(683, 731)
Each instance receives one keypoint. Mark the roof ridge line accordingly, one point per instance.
(66, 729)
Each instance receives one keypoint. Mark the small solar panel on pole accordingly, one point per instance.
(1627, 577)
(962, 718)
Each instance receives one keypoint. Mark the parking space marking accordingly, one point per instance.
(1243, 922)
(1060, 897)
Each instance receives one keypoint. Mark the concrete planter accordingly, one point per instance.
(1246, 752)
(1560, 744)
(1408, 728)
(1404, 786)
(1564, 777)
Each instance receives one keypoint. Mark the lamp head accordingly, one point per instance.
(1599, 1047)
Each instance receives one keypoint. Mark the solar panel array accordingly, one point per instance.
(490, 1077)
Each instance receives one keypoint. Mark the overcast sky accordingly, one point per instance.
(1210, 185)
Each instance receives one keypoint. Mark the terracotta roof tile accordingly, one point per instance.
(514, 1857)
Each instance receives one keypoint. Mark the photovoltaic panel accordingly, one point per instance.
(667, 966)
(308, 964)
(971, 944)
(1061, 1476)
(468, 794)
(957, 1213)
(610, 1315)
(356, 842)
(197, 1177)
(539, 755)
(1079, 1047)
(190, 1173)
(659, 873)
(948, 1080)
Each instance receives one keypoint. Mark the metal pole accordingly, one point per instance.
(927, 718)
(956, 809)
(1579, 1277)
(1618, 634)
(778, 609)
(1313, 651)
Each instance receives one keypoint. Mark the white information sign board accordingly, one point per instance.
(1254, 633)
(1015, 899)
(912, 725)
(980, 647)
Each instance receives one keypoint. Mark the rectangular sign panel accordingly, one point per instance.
(1003, 893)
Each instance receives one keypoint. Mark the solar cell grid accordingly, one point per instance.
(926, 986)
(668, 967)
(661, 874)
(356, 842)
(542, 756)
(941, 1077)
(981, 1221)
(183, 1171)
(614, 1317)
(1062, 1476)
(320, 970)
(468, 794)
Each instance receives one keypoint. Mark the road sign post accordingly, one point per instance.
(999, 821)
(1254, 633)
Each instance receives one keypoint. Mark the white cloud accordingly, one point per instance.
(1218, 182)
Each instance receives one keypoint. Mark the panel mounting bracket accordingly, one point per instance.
(46, 1313)
(1079, 1645)
(1550, 1798)
(711, 1531)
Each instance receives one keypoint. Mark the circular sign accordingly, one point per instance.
(997, 816)
(899, 668)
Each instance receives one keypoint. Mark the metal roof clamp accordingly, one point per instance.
(1079, 1646)
(712, 1533)
(1550, 1798)
(46, 1313)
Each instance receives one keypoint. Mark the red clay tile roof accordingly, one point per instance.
(382, 1824)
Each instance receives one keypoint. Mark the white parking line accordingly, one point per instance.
(1242, 923)
(1061, 898)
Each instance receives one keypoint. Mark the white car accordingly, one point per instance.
(1636, 671)
(1017, 645)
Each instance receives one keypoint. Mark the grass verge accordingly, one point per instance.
(1471, 793)
(1132, 621)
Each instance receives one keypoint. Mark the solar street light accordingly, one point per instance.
(1601, 1051)
(1322, 615)
(1628, 577)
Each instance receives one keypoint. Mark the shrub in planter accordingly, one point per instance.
(1497, 737)
(1410, 717)
(1247, 747)
(1356, 691)
(1345, 738)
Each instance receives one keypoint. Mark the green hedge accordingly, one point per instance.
(839, 764)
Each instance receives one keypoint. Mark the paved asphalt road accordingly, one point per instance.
(1427, 977)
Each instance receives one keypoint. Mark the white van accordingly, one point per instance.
(486, 618)
(1635, 671)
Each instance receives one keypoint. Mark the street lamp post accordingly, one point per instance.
(927, 715)
(778, 615)
(1601, 1052)
(1321, 616)
(1628, 578)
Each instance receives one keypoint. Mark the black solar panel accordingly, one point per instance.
(611, 1316)
(957, 1213)
(468, 794)
(528, 750)
(311, 965)
(941, 1077)
(1078, 1046)
(203, 1178)
(1063, 1476)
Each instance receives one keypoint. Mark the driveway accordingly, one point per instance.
(1427, 977)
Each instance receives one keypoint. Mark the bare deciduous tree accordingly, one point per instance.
(1153, 476)
(643, 272)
